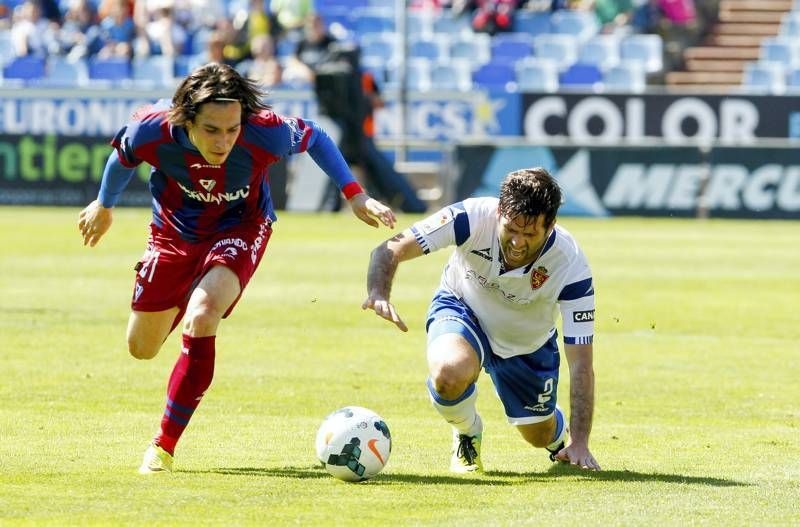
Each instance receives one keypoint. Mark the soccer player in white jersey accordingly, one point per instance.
(495, 309)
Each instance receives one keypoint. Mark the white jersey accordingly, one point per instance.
(517, 308)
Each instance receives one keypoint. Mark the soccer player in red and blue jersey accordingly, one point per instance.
(210, 150)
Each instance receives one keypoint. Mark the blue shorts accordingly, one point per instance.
(526, 384)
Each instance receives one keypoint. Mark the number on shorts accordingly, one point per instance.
(548, 389)
(149, 266)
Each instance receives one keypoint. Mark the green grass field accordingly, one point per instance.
(698, 397)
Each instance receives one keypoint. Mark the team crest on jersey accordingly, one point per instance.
(539, 276)
(207, 184)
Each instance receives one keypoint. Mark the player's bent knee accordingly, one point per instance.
(141, 350)
(449, 381)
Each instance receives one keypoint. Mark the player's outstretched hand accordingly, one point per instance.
(93, 222)
(367, 209)
(384, 308)
(579, 456)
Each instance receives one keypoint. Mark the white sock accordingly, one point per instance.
(560, 435)
(461, 413)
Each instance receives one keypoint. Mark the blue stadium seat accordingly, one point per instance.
(432, 49)
(476, 48)
(495, 76)
(372, 20)
(537, 75)
(110, 69)
(580, 75)
(531, 23)
(379, 46)
(452, 25)
(63, 72)
(455, 75)
(765, 77)
(601, 50)
(581, 24)
(790, 24)
(25, 68)
(646, 49)
(6, 48)
(793, 82)
(511, 47)
(418, 75)
(780, 49)
(563, 49)
(323, 5)
(157, 71)
(626, 78)
(420, 25)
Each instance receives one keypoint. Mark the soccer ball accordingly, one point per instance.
(353, 443)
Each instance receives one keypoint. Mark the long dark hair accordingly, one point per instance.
(214, 83)
(530, 192)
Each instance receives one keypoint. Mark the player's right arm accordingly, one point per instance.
(382, 267)
(145, 126)
(95, 220)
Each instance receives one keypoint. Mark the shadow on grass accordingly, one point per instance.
(562, 470)
(492, 477)
(317, 472)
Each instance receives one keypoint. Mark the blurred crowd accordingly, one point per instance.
(245, 33)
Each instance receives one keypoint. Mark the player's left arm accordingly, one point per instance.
(309, 136)
(581, 397)
(576, 302)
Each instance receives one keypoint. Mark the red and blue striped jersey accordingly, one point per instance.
(196, 199)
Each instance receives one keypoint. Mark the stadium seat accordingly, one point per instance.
(600, 50)
(455, 75)
(531, 23)
(780, 49)
(420, 25)
(63, 72)
(793, 82)
(496, 76)
(6, 48)
(447, 24)
(372, 20)
(563, 49)
(25, 68)
(581, 24)
(511, 47)
(418, 75)
(580, 75)
(110, 69)
(157, 70)
(625, 78)
(432, 49)
(790, 24)
(765, 77)
(646, 49)
(379, 46)
(476, 48)
(537, 75)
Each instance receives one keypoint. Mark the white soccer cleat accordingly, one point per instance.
(156, 459)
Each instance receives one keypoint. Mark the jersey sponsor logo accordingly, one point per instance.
(208, 184)
(486, 254)
(235, 242)
(198, 166)
(488, 284)
(219, 197)
(583, 316)
(538, 277)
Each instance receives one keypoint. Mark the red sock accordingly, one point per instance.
(190, 378)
